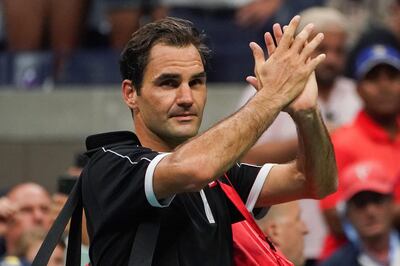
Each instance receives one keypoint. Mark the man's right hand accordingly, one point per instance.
(7, 210)
(284, 75)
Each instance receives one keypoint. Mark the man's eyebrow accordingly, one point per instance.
(165, 76)
(200, 75)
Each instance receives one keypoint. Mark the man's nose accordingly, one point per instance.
(184, 96)
(39, 216)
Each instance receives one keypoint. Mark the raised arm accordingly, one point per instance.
(281, 78)
(313, 174)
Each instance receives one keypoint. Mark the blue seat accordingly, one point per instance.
(88, 67)
(5, 76)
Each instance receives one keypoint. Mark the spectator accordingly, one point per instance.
(126, 16)
(283, 225)
(27, 22)
(361, 14)
(393, 20)
(375, 132)
(32, 210)
(338, 101)
(367, 190)
(29, 244)
(230, 26)
(80, 161)
(386, 32)
(7, 210)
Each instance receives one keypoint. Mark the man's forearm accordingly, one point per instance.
(316, 159)
(220, 146)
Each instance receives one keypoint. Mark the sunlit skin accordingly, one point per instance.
(169, 108)
(33, 211)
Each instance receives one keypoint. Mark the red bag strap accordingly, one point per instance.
(234, 197)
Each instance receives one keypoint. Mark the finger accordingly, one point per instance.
(253, 82)
(301, 38)
(258, 54)
(269, 42)
(277, 32)
(289, 32)
(313, 63)
(310, 47)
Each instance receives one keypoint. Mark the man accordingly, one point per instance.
(169, 171)
(30, 210)
(369, 210)
(284, 226)
(338, 102)
(29, 245)
(375, 132)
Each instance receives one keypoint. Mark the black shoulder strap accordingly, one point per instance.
(57, 229)
(146, 237)
(143, 247)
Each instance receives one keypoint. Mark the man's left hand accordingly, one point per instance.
(307, 99)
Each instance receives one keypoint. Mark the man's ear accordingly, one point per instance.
(129, 94)
(271, 230)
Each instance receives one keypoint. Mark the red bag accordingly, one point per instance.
(250, 246)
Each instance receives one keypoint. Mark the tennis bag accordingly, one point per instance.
(250, 246)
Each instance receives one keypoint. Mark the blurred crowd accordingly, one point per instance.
(47, 42)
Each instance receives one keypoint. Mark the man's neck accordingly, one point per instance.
(150, 140)
(387, 122)
(155, 144)
(378, 247)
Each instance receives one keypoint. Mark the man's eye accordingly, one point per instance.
(196, 82)
(170, 83)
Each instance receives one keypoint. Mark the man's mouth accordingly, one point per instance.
(184, 116)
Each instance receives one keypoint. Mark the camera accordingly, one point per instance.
(65, 183)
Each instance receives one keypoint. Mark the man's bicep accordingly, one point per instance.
(284, 183)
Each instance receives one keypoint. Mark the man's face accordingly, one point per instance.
(380, 90)
(333, 45)
(370, 213)
(290, 233)
(33, 210)
(171, 102)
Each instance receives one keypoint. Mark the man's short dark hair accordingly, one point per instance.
(169, 31)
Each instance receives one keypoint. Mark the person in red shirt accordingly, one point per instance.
(375, 132)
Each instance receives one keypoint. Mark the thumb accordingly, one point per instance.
(253, 82)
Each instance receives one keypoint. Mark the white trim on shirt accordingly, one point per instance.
(148, 184)
(207, 208)
(257, 186)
